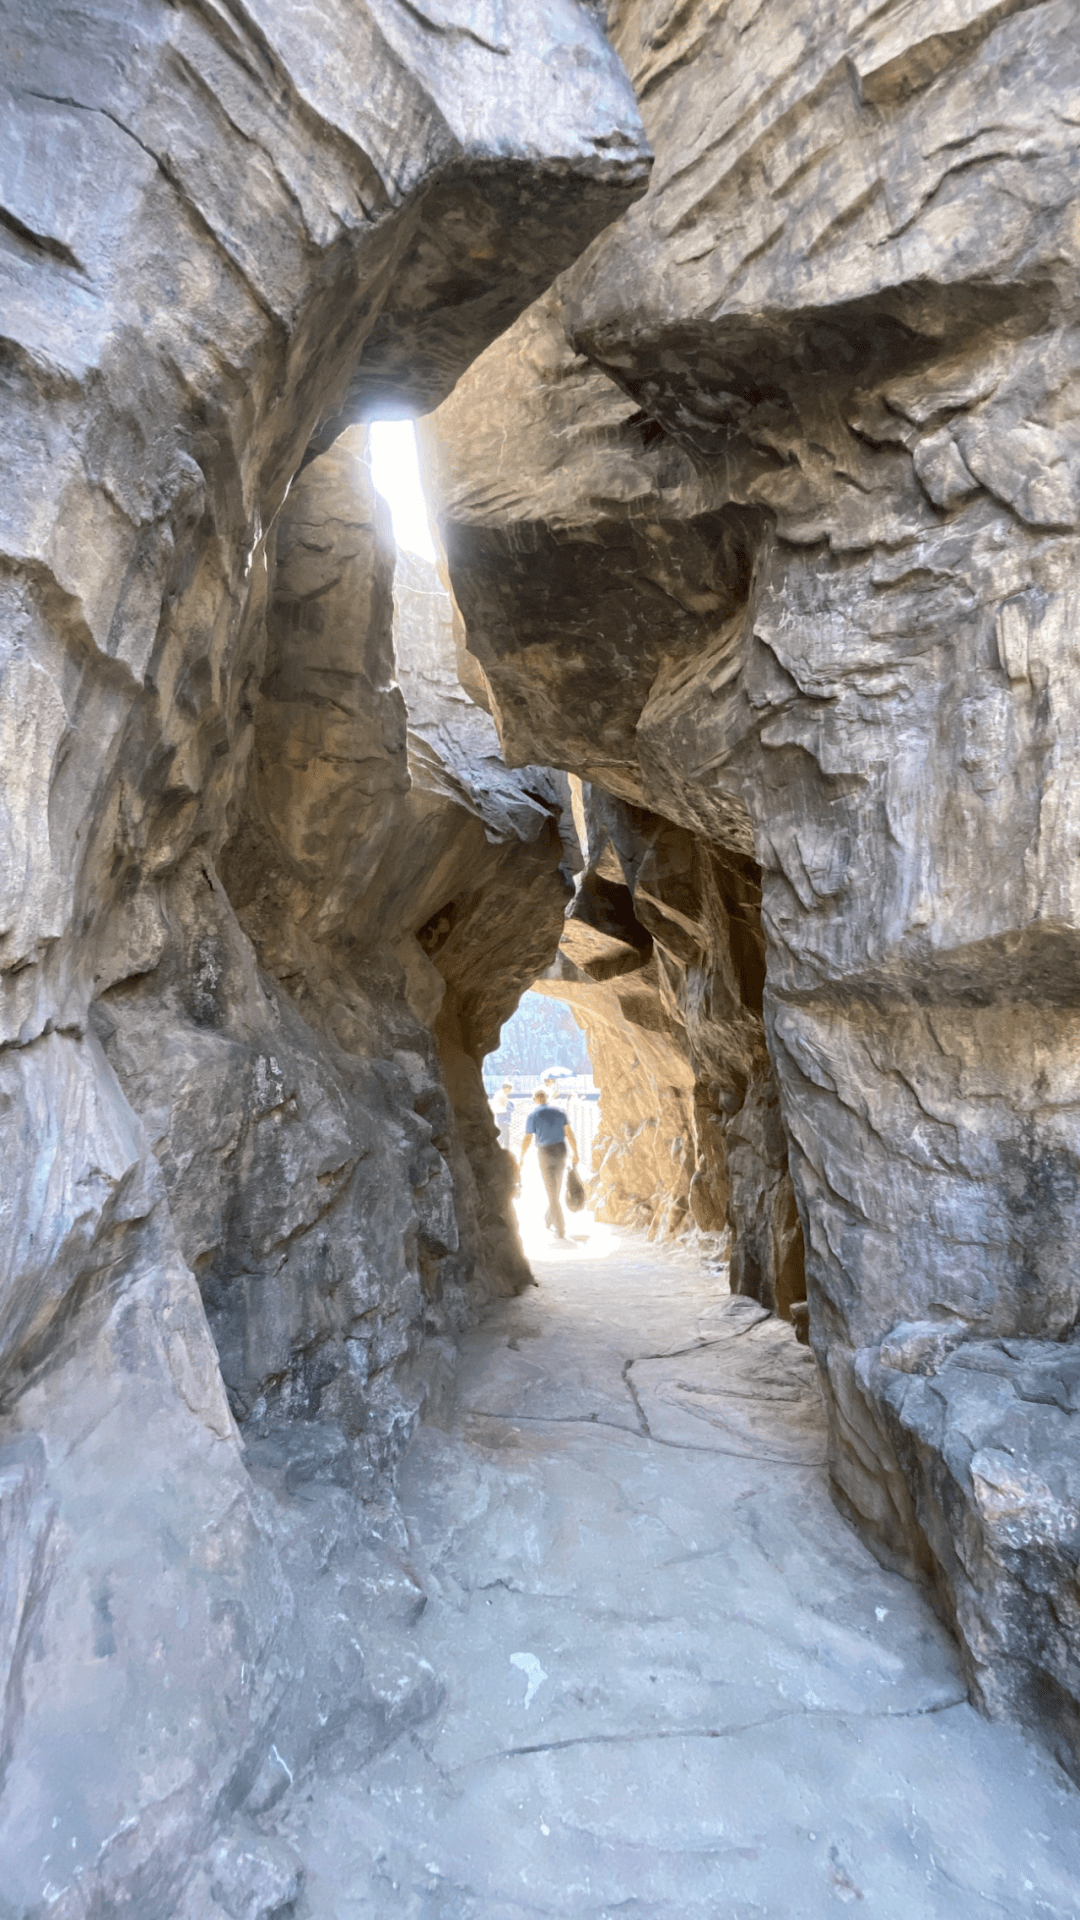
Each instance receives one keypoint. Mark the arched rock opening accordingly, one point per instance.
(662, 958)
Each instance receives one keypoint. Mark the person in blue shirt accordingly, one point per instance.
(551, 1130)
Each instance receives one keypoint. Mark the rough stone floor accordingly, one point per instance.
(676, 1683)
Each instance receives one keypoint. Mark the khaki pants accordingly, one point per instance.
(552, 1168)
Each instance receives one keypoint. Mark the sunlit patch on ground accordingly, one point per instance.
(589, 1235)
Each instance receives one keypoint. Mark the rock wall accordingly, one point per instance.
(649, 959)
(762, 524)
(765, 520)
(235, 1193)
(597, 564)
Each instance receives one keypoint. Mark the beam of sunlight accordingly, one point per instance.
(395, 470)
(589, 1235)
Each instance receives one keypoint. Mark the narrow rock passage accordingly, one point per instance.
(676, 1683)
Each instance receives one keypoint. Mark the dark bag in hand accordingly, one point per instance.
(575, 1191)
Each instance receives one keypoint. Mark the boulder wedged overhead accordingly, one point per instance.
(208, 215)
(839, 335)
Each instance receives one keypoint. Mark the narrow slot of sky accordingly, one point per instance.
(395, 469)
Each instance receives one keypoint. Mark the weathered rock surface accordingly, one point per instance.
(234, 1188)
(676, 1683)
(762, 523)
(778, 538)
(597, 565)
(662, 959)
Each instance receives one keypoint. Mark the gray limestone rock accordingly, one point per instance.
(677, 1683)
(781, 513)
(233, 1182)
(760, 523)
(600, 570)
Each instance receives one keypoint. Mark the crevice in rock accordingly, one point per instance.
(720, 1733)
(639, 1410)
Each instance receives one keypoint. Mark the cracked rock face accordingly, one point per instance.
(237, 1195)
(764, 520)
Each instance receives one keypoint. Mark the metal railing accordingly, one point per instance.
(525, 1084)
(581, 1109)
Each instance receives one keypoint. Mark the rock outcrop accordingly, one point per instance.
(762, 525)
(661, 959)
(765, 520)
(597, 566)
(235, 1194)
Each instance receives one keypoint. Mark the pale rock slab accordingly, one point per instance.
(676, 1682)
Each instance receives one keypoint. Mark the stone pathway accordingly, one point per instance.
(677, 1686)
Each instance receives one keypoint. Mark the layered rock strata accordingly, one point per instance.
(234, 1188)
(773, 531)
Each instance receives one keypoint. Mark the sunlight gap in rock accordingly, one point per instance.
(395, 469)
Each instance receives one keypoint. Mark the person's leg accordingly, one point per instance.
(552, 1163)
(541, 1163)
